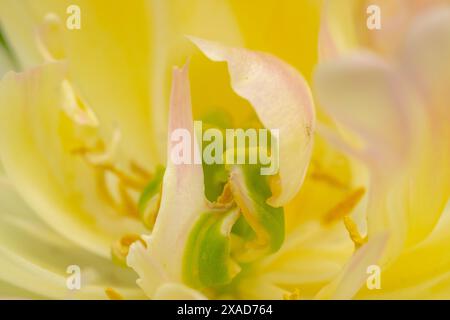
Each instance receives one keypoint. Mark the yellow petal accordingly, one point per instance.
(409, 278)
(282, 100)
(109, 61)
(287, 28)
(35, 258)
(331, 175)
(176, 291)
(6, 63)
(338, 32)
(36, 146)
(354, 274)
(311, 256)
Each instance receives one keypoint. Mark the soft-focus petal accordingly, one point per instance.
(35, 258)
(344, 25)
(331, 175)
(366, 95)
(354, 274)
(426, 59)
(397, 20)
(409, 278)
(37, 148)
(397, 108)
(5, 61)
(338, 33)
(176, 291)
(310, 257)
(110, 34)
(370, 99)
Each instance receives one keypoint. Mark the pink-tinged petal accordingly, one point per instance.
(344, 25)
(426, 57)
(371, 105)
(355, 273)
(182, 202)
(327, 46)
(366, 96)
(281, 99)
(396, 19)
(425, 61)
(337, 28)
(183, 189)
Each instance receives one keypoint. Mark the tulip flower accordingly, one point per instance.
(105, 122)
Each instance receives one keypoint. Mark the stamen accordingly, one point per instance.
(113, 294)
(129, 181)
(76, 108)
(150, 212)
(329, 179)
(49, 38)
(294, 295)
(227, 195)
(50, 44)
(117, 186)
(257, 247)
(318, 173)
(104, 157)
(275, 185)
(120, 248)
(352, 229)
(345, 207)
(225, 200)
(140, 171)
(129, 204)
(262, 238)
